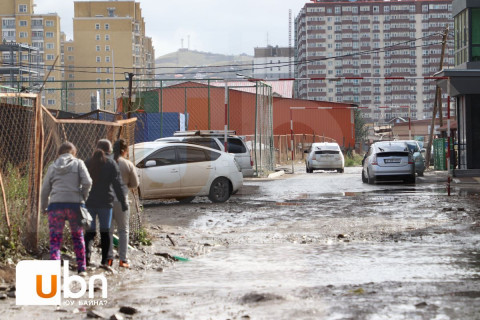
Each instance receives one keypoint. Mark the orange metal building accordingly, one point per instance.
(205, 106)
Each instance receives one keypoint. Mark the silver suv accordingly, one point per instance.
(215, 139)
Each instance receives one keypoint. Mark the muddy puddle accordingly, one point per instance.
(283, 273)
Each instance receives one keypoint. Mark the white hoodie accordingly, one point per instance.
(67, 181)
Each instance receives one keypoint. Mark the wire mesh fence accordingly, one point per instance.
(172, 105)
(29, 139)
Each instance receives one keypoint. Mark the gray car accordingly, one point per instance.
(215, 139)
(388, 160)
(416, 150)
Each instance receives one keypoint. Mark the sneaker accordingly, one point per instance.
(110, 262)
(124, 264)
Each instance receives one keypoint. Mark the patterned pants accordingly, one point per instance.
(56, 222)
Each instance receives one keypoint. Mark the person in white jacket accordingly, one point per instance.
(122, 217)
(65, 188)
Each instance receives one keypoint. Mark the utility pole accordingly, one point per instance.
(438, 102)
(129, 77)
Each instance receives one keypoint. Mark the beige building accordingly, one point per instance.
(20, 25)
(109, 40)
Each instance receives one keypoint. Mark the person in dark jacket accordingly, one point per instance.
(106, 181)
(65, 188)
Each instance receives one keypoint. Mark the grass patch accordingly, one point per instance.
(353, 160)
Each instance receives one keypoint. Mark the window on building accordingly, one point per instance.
(97, 37)
(99, 80)
(22, 8)
(475, 34)
(107, 37)
(49, 23)
(97, 48)
(98, 59)
(71, 58)
(107, 58)
(23, 23)
(49, 34)
(69, 49)
(97, 26)
(111, 12)
(107, 48)
(23, 34)
(99, 70)
(50, 45)
(50, 57)
(107, 26)
(51, 102)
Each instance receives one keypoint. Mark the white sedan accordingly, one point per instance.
(183, 171)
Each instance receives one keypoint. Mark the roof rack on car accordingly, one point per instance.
(203, 133)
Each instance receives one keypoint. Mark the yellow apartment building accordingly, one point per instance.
(109, 40)
(21, 29)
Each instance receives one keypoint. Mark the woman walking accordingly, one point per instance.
(105, 175)
(65, 188)
(121, 217)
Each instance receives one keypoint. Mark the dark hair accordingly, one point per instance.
(67, 147)
(105, 145)
(96, 163)
(118, 148)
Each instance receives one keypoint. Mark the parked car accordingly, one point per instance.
(324, 156)
(388, 160)
(416, 150)
(183, 171)
(215, 139)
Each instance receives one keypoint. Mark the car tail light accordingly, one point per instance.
(410, 159)
(251, 161)
(374, 160)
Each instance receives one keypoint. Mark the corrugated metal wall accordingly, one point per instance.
(206, 109)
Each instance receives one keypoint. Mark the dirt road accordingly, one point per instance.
(305, 246)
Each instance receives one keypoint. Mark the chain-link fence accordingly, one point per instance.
(29, 139)
(172, 105)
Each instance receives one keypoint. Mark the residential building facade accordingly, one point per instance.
(20, 25)
(273, 62)
(109, 39)
(362, 46)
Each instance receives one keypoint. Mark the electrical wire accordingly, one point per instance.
(247, 67)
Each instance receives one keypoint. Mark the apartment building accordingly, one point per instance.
(273, 62)
(22, 28)
(109, 39)
(359, 45)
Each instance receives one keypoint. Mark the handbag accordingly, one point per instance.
(84, 218)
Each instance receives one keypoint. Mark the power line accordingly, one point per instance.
(247, 67)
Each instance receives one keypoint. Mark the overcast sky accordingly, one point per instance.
(217, 26)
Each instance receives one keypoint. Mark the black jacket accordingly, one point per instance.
(101, 194)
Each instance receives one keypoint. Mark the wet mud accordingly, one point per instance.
(304, 246)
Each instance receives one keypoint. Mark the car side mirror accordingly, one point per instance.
(150, 163)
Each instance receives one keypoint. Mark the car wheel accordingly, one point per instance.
(370, 180)
(185, 199)
(420, 173)
(219, 190)
(340, 170)
(364, 179)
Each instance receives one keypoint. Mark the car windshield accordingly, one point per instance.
(392, 146)
(412, 147)
(138, 153)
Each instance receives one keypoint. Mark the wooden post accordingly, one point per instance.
(4, 196)
(33, 216)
